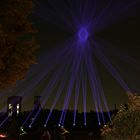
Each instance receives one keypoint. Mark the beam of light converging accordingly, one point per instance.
(114, 13)
(74, 72)
(92, 77)
(100, 93)
(74, 61)
(50, 87)
(48, 13)
(40, 76)
(66, 104)
(110, 50)
(77, 66)
(47, 91)
(58, 94)
(99, 15)
(125, 60)
(77, 91)
(59, 91)
(84, 90)
(43, 72)
(104, 60)
(76, 17)
(4, 121)
(27, 118)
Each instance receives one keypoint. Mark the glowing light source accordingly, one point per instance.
(22, 131)
(10, 107)
(62, 126)
(17, 112)
(21, 128)
(17, 106)
(2, 136)
(83, 34)
(30, 126)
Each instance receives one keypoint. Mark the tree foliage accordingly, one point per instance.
(126, 124)
(17, 42)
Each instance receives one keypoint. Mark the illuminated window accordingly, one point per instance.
(10, 106)
(17, 109)
(17, 106)
(17, 112)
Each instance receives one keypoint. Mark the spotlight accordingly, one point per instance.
(30, 126)
(99, 123)
(44, 125)
(21, 128)
(59, 125)
(83, 34)
(85, 124)
(74, 124)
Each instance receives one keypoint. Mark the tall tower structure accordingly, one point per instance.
(14, 105)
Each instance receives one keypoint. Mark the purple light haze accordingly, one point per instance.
(83, 34)
(59, 92)
(49, 88)
(72, 63)
(71, 16)
(77, 88)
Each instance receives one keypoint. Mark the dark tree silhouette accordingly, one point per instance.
(17, 42)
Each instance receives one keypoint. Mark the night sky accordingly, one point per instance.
(123, 34)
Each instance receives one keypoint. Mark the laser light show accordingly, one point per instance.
(75, 80)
